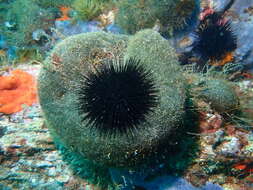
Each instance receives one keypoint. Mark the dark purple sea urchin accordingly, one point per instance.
(117, 97)
(214, 38)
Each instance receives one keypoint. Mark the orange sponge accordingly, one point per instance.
(16, 90)
(65, 11)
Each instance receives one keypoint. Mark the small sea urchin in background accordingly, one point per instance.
(214, 38)
(117, 96)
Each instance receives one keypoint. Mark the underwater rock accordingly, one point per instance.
(246, 84)
(40, 36)
(230, 148)
(50, 185)
(159, 183)
(243, 26)
(248, 149)
(2, 42)
(2, 131)
(68, 29)
(114, 29)
(220, 5)
(43, 164)
(12, 52)
(28, 157)
(219, 136)
(10, 25)
(211, 186)
(244, 53)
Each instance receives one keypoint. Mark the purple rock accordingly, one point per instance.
(243, 27)
(114, 29)
(67, 28)
(131, 180)
(2, 42)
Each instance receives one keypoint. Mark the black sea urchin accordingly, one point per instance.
(214, 38)
(117, 97)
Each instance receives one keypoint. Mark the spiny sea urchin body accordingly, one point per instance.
(117, 97)
(135, 115)
(135, 15)
(214, 38)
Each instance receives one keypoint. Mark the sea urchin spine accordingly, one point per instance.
(118, 96)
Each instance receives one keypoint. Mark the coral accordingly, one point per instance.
(17, 90)
(77, 61)
(134, 15)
